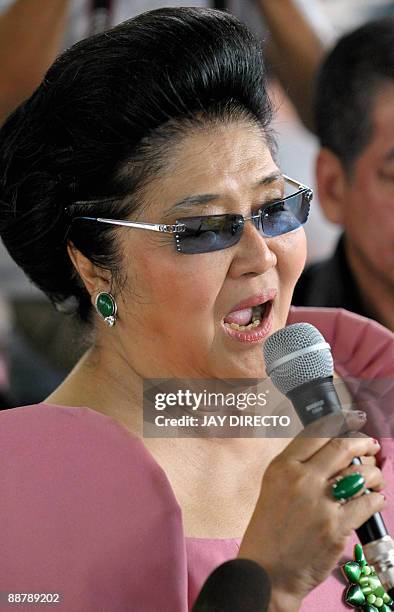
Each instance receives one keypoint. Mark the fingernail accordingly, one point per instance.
(375, 441)
(361, 415)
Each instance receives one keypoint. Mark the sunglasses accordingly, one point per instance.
(204, 234)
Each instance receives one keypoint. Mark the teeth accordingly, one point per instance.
(237, 327)
(257, 314)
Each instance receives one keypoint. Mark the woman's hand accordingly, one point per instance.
(298, 531)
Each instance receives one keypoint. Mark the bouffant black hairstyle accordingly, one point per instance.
(360, 64)
(101, 125)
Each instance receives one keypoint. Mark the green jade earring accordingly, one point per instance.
(106, 307)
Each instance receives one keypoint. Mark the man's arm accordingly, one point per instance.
(31, 33)
(295, 52)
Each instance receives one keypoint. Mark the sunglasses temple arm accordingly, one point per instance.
(294, 182)
(155, 227)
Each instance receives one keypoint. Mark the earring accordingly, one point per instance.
(105, 305)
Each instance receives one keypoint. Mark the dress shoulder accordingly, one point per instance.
(363, 352)
(86, 512)
(361, 347)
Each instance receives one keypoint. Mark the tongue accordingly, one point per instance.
(242, 317)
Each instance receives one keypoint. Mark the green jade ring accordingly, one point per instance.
(365, 592)
(346, 487)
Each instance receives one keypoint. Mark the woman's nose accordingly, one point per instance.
(253, 253)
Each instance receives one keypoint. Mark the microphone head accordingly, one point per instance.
(295, 355)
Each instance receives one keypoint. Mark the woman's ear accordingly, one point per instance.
(331, 185)
(94, 278)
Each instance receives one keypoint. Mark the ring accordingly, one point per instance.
(347, 486)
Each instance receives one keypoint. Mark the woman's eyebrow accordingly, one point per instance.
(204, 198)
(271, 178)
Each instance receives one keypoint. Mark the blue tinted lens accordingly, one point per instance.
(286, 215)
(210, 233)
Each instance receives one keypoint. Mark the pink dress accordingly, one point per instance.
(85, 511)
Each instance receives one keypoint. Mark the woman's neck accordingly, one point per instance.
(99, 383)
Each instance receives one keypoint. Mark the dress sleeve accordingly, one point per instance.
(87, 513)
(363, 352)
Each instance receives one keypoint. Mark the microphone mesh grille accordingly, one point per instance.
(301, 369)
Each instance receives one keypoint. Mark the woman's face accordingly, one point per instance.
(171, 312)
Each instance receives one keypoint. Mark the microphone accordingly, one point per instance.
(239, 585)
(300, 364)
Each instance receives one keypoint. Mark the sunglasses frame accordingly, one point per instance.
(179, 228)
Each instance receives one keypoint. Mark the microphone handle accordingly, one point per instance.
(374, 528)
(312, 401)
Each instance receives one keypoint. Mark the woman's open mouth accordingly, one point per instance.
(251, 324)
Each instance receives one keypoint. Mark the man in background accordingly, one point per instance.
(354, 122)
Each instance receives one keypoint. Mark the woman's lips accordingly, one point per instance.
(258, 333)
(266, 296)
